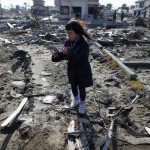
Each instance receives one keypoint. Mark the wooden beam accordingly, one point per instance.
(125, 107)
(71, 143)
(147, 90)
(110, 135)
(99, 47)
(137, 141)
(99, 142)
(105, 42)
(131, 75)
(83, 138)
(140, 42)
(148, 130)
(72, 133)
(12, 118)
(137, 63)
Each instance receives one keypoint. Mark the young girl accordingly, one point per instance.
(76, 52)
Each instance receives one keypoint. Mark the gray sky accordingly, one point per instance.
(116, 3)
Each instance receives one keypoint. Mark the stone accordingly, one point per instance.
(18, 83)
(50, 99)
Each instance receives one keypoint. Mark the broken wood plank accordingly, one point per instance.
(117, 113)
(10, 25)
(138, 42)
(99, 142)
(83, 138)
(147, 90)
(125, 141)
(137, 63)
(71, 127)
(148, 130)
(137, 141)
(72, 133)
(135, 99)
(71, 143)
(105, 42)
(12, 118)
(110, 135)
(125, 107)
(131, 75)
(6, 41)
(78, 144)
(99, 47)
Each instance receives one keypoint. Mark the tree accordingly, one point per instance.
(109, 7)
(132, 7)
(124, 6)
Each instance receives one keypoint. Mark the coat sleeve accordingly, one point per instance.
(61, 56)
(79, 57)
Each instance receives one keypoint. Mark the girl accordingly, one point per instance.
(76, 52)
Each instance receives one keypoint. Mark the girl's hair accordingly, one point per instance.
(78, 27)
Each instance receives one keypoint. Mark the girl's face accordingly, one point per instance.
(72, 35)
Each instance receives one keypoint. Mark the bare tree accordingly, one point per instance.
(132, 7)
(125, 7)
(109, 7)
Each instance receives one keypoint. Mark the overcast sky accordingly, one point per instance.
(116, 3)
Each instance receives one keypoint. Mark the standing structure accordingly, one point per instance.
(142, 8)
(77, 8)
(39, 9)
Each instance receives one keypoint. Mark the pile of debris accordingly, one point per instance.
(35, 94)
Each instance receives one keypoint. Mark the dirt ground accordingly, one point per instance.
(42, 126)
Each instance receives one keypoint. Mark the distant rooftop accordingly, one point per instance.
(139, 1)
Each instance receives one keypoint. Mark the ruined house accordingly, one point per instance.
(77, 8)
(142, 8)
(39, 9)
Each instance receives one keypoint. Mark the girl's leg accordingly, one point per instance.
(74, 90)
(82, 100)
(75, 101)
(82, 93)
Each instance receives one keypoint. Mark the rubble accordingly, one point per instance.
(140, 22)
(117, 113)
(12, 118)
(50, 99)
(18, 84)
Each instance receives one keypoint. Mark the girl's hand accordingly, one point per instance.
(54, 53)
(65, 50)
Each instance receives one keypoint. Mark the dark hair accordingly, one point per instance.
(78, 28)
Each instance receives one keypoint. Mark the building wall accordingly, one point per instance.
(147, 3)
(76, 3)
(144, 11)
(39, 2)
(53, 9)
(39, 8)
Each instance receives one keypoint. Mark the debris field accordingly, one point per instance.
(35, 94)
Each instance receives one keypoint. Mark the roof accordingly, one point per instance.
(138, 1)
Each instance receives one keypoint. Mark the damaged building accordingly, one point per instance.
(142, 8)
(77, 9)
(39, 8)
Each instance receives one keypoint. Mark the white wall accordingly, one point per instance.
(83, 5)
(147, 3)
(76, 3)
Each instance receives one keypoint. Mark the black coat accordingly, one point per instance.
(79, 69)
